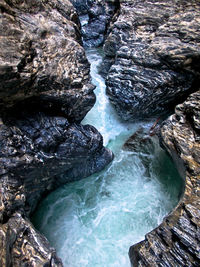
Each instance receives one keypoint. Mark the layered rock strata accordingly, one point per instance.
(152, 55)
(176, 242)
(45, 92)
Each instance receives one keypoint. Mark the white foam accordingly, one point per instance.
(93, 222)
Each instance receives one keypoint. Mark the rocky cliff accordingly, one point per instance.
(176, 242)
(45, 92)
(152, 55)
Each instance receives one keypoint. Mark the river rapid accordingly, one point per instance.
(94, 221)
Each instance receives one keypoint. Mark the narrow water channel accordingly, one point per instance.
(94, 221)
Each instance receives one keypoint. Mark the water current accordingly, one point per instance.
(94, 221)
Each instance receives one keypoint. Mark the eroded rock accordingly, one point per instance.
(40, 55)
(45, 91)
(140, 142)
(22, 245)
(176, 242)
(100, 14)
(152, 55)
(82, 6)
(40, 152)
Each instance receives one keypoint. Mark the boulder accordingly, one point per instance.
(140, 142)
(144, 145)
(38, 154)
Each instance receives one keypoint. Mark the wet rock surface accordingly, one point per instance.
(82, 6)
(22, 245)
(142, 143)
(176, 242)
(45, 91)
(38, 154)
(100, 14)
(152, 55)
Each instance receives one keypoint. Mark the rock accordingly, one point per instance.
(41, 152)
(82, 6)
(38, 154)
(41, 55)
(152, 54)
(100, 14)
(22, 245)
(176, 242)
(140, 142)
(45, 91)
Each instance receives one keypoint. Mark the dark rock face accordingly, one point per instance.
(40, 56)
(100, 14)
(176, 242)
(141, 142)
(152, 55)
(45, 91)
(40, 152)
(82, 6)
(22, 245)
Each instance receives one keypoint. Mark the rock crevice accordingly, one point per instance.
(45, 92)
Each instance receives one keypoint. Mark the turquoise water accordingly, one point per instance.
(94, 221)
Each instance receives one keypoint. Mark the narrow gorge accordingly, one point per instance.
(93, 222)
(121, 117)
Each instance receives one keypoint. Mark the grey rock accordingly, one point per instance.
(100, 15)
(21, 245)
(176, 242)
(144, 145)
(153, 48)
(41, 152)
(41, 55)
(82, 6)
(140, 142)
(45, 91)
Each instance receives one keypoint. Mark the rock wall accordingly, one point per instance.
(41, 56)
(152, 56)
(82, 6)
(176, 242)
(45, 92)
(100, 14)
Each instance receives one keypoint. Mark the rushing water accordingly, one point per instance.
(93, 222)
